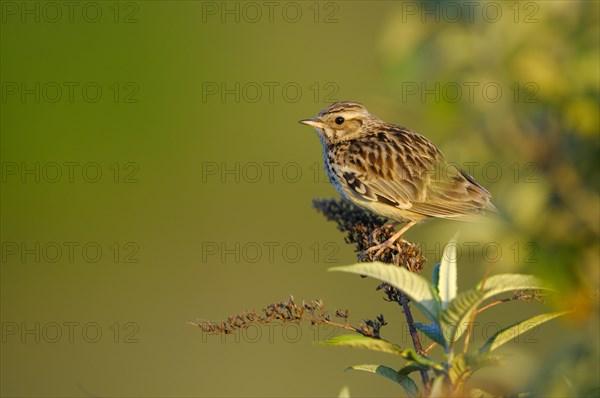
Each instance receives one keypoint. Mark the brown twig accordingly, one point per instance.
(431, 347)
(415, 337)
(290, 311)
(495, 303)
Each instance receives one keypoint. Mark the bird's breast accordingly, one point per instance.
(329, 162)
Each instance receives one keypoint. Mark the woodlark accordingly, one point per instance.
(393, 171)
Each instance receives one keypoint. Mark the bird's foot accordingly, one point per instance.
(374, 241)
(380, 248)
(376, 232)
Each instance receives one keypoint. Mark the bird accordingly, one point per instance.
(393, 171)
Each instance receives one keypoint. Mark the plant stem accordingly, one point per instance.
(415, 337)
(431, 347)
(495, 303)
(335, 324)
(474, 314)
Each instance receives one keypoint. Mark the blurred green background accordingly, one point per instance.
(153, 173)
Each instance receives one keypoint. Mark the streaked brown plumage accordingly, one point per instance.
(393, 171)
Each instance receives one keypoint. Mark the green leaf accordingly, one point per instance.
(479, 393)
(417, 288)
(406, 382)
(411, 367)
(378, 369)
(478, 361)
(505, 335)
(411, 355)
(409, 386)
(458, 369)
(344, 392)
(435, 277)
(433, 331)
(453, 318)
(369, 343)
(438, 387)
(463, 366)
(447, 277)
(510, 282)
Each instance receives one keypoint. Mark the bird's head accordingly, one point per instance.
(339, 121)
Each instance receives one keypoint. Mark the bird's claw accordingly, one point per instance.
(380, 248)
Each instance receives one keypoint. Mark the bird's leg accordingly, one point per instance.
(375, 233)
(390, 242)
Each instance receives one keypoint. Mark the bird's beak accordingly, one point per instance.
(312, 122)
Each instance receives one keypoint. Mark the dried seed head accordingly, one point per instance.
(366, 229)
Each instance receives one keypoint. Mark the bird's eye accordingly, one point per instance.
(339, 120)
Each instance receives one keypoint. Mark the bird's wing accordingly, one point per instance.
(455, 194)
(406, 171)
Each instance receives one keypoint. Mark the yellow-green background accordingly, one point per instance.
(368, 52)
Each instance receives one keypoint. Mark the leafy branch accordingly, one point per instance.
(450, 314)
(289, 311)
